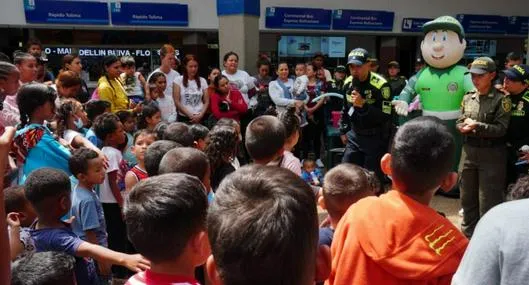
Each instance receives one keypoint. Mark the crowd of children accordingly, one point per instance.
(102, 192)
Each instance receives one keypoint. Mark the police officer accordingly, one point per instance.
(337, 85)
(516, 83)
(485, 114)
(396, 82)
(366, 115)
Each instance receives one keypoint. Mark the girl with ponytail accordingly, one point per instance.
(291, 121)
(34, 144)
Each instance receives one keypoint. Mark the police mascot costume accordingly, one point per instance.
(441, 85)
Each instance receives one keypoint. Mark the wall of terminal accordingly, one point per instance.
(203, 14)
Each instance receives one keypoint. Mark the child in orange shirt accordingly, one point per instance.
(397, 238)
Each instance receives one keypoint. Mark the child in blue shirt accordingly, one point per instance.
(49, 192)
(34, 144)
(310, 173)
(89, 223)
(95, 108)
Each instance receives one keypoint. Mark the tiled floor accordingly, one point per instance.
(450, 207)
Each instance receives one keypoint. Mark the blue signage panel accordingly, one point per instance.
(413, 25)
(298, 18)
(518, 25)
(483, 24)
(148, 14)
(238, 7)
(362, 20)
(66, 12)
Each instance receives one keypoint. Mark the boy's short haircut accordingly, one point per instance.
(265, 136)
(159, 129)
(128, 61)
(263, 227)
(95, 108)
(518, 190)
(124, 116)
(14, 199)
(143, 132)
(185, 160)
(155, 153)
(308, 162)
(342, 186)
(422, 154)
(171, 207)
(78, 162)
(105, 125)
(179, 133)
(199, 132)
(44, 268)
(45, 183)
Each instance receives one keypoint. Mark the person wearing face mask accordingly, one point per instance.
(485, 115)
(71, 119)
(9, 84)
(72, 62)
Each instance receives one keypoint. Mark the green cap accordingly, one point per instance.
(444, 23)
(482, 65)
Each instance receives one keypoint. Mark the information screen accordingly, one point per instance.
(301, 46)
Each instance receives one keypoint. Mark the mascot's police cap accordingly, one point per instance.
(444, 23)
(358, 56)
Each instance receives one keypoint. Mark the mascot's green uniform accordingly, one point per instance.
(441, 85)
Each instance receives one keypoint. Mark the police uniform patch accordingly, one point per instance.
(506, 104)
(452, 87)
(386, 92)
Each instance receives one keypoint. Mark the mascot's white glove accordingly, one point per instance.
(401, 107)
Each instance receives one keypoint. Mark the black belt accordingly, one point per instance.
(367, 132)
(483, 142)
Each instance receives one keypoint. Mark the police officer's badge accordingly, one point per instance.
(386, 93)
(506, 104)
(452, 87)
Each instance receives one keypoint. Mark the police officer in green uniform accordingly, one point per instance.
(366, 115)
(516, 83)
(396, 82)
(485, 114)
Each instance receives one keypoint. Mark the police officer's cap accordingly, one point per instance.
(519, 72)
(482, 65)
(358, 56)
(393, 64)
(444, 23)
(340, 68)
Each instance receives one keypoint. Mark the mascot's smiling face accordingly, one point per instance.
(442, 48)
